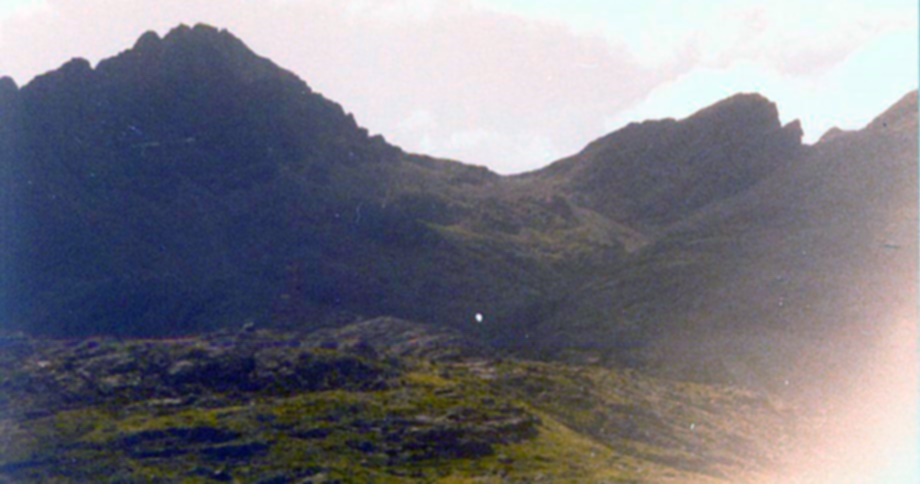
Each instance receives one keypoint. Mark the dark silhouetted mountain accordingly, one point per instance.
(799, 275)
(189, 184)
(653, 174)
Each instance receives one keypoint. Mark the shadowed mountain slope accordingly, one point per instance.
(796, 277)
(189, 184)
(652, 174)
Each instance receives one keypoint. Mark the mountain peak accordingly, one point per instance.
(202, 33)
(76, 67)
(7, 84)
(795, 126)
(831, 134)
(199, 52)
(744, 109)
(201, 36)
(147, 41)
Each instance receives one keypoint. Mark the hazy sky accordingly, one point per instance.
(515, 84)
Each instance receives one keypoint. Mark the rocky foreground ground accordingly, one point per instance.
(383, 400)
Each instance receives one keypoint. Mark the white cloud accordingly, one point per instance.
(464, 140)
(20, 7)
(725, 31)
(418, 120)
(394, 10)
(20, 10)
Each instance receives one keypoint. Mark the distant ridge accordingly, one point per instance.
(654, 173)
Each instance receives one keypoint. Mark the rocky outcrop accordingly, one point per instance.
(185, 371)
(232, 405)
(401, 338)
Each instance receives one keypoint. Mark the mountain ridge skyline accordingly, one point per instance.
(151, 37)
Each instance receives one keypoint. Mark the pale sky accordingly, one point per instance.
(516, 84)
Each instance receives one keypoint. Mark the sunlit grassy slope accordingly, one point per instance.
(362, 416)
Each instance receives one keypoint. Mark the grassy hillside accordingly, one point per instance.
(288, 411)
